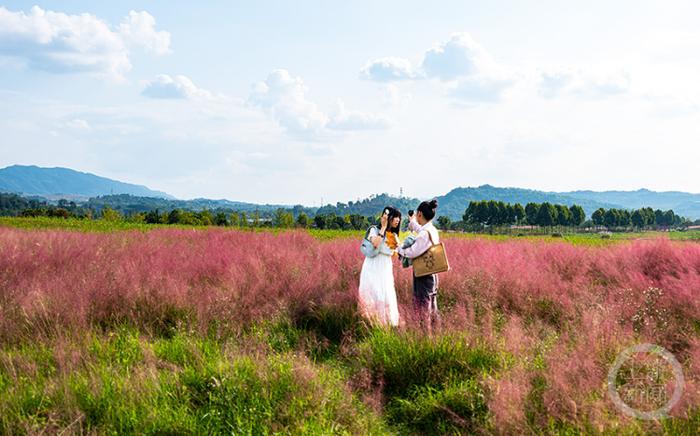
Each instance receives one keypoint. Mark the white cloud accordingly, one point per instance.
(284, 98)
(60, 43)
(585, 83)
(388, 69)
(481, 89)
(138, 30)
(177, 87)
(458, 57)
(468, 73)
(466, 68)
(354, 120)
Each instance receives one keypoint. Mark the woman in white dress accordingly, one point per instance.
(377, 296)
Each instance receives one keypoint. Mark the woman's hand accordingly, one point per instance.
(376, 240)
(385, 221)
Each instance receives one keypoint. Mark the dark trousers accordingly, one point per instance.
(425, 297)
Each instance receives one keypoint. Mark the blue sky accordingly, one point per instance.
(291, 101)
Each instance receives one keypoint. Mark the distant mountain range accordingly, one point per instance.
(98, 192)
(66, 183)
(454, 202)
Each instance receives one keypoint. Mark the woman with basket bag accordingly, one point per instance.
(428, 258)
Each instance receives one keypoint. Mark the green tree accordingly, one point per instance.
(624, 218)
(358, 222)
(188, 218)
(469, 216)
(283, 219)
(153, 217)
(658, 217)
(109, 214)
(303, 220)
(598, 217)
(235, 219)
(668, 218)
(563, 215)
(547, 215)
(444, 222)
(220, 219)
(138, 217)
(502, 214)
(205, 218)
(638, 219)
(518, 213)
(611, 218)
(578, 215)
(174, 216)
(532, 210)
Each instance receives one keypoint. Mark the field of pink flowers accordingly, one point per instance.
(555, 315)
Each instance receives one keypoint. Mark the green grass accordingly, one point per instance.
(86, 225)
(268, 382)
(122, 382)
(125, 383)
(83, 225)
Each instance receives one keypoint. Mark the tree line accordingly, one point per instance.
(497, 213)
(639, 218)
(478, 215)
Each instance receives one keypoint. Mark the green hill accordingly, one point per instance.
(66, 183)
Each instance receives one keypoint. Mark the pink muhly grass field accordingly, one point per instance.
(572, 307)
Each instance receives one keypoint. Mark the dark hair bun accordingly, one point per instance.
(433, 203)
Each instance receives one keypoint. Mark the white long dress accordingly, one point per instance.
(377, 295)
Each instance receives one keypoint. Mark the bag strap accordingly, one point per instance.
(430, 236)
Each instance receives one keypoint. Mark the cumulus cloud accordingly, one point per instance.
(60, 43)
(457, 57)
(466, 68)
(468, 73)
(388, 69)
(139, 30)
(283, 96)
(177, 87)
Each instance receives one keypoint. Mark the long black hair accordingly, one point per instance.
(393, 213)
(427, 208)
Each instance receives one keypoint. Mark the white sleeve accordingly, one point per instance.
(414, 226)
(373, 231)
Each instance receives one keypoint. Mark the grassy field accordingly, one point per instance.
(178, 331)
